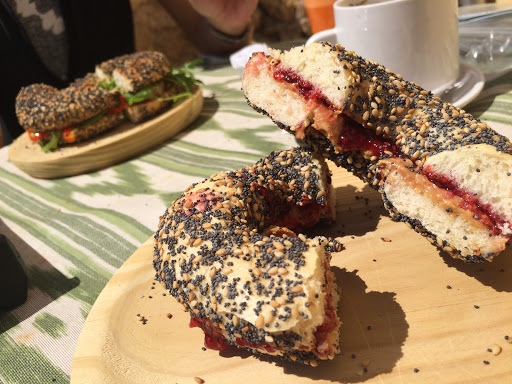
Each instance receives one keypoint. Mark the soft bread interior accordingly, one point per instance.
(319, 68)
(484, 172)
(102, 75)
(440, 213)
(279, 101)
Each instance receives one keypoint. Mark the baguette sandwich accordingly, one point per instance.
(53, 117)
(144, 81)
(440, 170)
(135, 86)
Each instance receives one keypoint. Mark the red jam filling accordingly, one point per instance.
(201, 201)
(290, 215)
(353, 137)
(481, 211)
(306, 89)
(213, 338)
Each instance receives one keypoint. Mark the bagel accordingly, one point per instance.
(439, 169)
(74, 114)
(227, 249)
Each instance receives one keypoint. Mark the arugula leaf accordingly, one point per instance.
(139, 96)
(93, 119)
(176, 97)
(185, 76)
(109, 86)
(53, 143)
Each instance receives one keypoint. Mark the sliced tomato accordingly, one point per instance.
(119, 109)
(36, 136)
(68, 134)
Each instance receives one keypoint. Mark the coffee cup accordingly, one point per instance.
(417, 39)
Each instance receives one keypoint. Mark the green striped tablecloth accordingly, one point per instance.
(74, 233)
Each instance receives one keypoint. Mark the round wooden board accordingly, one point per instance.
(124, 142)
(404, 306)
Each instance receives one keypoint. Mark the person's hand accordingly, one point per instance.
(229, 16)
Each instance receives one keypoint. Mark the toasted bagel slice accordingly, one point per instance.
(229, 250)
(435, 165)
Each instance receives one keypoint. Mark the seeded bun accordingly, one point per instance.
(227, 250)
(434, 164)
(41, 107)
(134, 71)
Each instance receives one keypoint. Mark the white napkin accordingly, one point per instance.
(239, 58)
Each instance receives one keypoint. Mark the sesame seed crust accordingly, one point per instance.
(219, 252)
(41, 107)
(138, 70)
(404, 120)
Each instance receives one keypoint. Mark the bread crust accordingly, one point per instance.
(217, 251)
(136, 71)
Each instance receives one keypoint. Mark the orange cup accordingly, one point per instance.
(320, 14)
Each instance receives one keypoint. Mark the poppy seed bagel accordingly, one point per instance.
(228, 251)
(439, 169)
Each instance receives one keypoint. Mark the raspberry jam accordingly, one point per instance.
(306, 89)
(213, 338)
(470, 202)
(354, 137)
(289, 215)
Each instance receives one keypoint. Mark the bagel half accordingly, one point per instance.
(439, 169)
(227, 249)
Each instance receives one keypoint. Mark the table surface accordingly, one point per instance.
(74, 233)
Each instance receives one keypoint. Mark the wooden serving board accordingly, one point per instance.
(410, 315)
(123, 142)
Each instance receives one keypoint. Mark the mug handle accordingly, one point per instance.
(328, 35)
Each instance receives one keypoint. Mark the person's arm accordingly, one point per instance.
(214, 26)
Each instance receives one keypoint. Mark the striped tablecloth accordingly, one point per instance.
(74, 233)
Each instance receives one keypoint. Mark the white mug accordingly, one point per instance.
(417, 39)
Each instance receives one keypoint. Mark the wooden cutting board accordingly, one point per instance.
(124, 142)
(410, 315)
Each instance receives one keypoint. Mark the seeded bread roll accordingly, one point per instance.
(141, 72)
(41, 107)
(435, 165)
(227, 250)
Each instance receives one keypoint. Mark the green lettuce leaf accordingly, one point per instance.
(53, 143)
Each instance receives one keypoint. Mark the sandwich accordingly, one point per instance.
(442, 171)
(135, 86)
(53, 117)
(145, 81)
